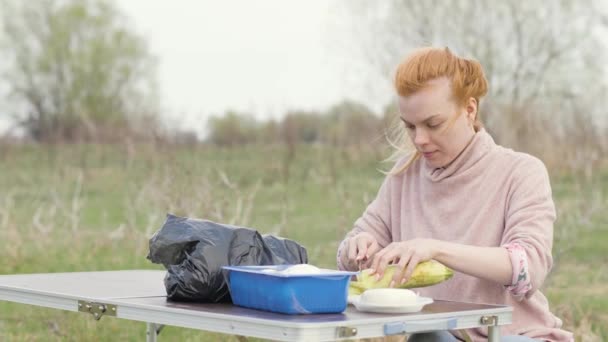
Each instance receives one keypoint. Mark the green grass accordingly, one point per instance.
(86, 207)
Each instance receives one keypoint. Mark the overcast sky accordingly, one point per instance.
(262, 57)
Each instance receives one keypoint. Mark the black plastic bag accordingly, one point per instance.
(193, 251)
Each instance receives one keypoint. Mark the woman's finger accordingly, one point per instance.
(352, 249)
(411, 265)
(376, 259)
(372, 249)
(362, 246)
(401, 265)
(382, 259)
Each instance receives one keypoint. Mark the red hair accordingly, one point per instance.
(425, 64)
(429, 63)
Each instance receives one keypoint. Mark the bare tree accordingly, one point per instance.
(544, 59)
(232, 129)
(73, 67)
(352, 124)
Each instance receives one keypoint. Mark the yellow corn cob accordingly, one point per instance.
(426, 273)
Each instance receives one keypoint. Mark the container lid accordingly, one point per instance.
(279, 271)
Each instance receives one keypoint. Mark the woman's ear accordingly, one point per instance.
(471, 109)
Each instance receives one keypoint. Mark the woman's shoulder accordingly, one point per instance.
(519, 164)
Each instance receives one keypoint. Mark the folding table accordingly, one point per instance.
(140, 295)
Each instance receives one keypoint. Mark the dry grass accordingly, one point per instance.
(79, 208)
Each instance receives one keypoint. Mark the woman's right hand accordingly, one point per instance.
(360, 250)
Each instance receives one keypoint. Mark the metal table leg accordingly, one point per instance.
(151, 332)
(493, 333)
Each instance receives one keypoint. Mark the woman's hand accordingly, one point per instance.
(360, 248)
(406, 254)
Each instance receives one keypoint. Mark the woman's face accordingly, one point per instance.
(438, 127)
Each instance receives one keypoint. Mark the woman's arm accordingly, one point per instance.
(376, 222)
(490, 263)
(523, 258)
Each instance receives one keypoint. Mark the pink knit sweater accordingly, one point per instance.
(488, 196)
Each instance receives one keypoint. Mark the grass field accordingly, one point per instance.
(88, 207)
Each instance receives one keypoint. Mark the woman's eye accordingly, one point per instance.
(435, 125)
(408, 126)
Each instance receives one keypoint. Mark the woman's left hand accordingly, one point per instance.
(406, 254)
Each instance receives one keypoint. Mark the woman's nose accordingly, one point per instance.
(421, 137)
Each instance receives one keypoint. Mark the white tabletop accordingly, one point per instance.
(140, 295)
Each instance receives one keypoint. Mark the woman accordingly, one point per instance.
(479, 208)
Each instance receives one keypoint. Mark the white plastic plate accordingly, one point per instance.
(414, 307)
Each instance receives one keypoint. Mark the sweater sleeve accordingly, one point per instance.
(520, 283)
(530, 214)
(375, 220)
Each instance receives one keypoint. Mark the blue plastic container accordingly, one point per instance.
(253, 287)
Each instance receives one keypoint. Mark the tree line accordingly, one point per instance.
(345, 124)
(77, 71)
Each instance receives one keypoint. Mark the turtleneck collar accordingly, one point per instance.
(478, 147)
